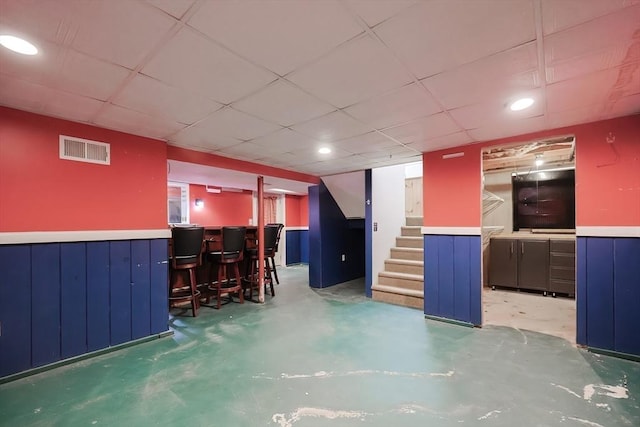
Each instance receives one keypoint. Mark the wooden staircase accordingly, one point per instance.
(402, 281)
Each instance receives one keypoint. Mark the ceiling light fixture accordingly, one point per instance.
(521, 104)
(18, 45)
(324, 150)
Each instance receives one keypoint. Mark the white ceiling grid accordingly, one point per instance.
(378, 81)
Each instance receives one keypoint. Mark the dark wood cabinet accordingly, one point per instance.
(503, 263)
(544, 264)
(562, 267)
(533, 264)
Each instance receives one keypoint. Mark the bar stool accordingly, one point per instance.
(225, 261)
(270, 238)
(186, 255)
(272, 255)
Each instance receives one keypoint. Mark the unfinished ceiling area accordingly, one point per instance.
(553, 152)
(378, 82)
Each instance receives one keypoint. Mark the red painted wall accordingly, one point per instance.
(41, 192)
(226, 208)
(297, 211)
(607, 176)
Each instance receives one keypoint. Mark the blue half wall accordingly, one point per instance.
(331, 236)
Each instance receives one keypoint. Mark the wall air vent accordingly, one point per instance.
(84, 150)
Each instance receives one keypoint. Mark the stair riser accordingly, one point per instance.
(410, 255)
(411, 232)
(401, 283)
(403, 268)
(415, 221)
(408, 242)
(403, 300)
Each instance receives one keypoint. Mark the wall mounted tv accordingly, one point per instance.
(544, 200)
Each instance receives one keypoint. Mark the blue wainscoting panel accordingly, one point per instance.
(431, 275)
(600, 325)
(73, 302)
(45, 304)
(60, 300)
(159, 309)
(475, 280)
(446, 277)
(452, 285)
(293, 247)
(626, 284)
(15, 308)
(581, 290)
(120, 296)
(98, 296)
(140, 289)
(304, 246)
(461, 296)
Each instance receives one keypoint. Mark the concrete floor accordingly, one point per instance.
(331, 358)
(530, 311)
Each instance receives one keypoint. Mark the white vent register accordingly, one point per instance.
(84, 150)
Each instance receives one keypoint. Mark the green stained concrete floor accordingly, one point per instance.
(331, 358)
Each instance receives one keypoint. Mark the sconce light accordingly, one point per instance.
(199, 203)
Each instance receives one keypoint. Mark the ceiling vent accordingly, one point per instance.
(84, 150)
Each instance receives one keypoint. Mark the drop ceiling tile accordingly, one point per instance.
(374, 12)
(86, 76)
(280, 35)
(121, 32)
(600, 34)
(440, 35)
(495, 111)
(392, 154)
(357, 70)
(511, 128)
(557, 71)
(575, 116)
(204, 135)
(571, 94)
(244, 151)
(284, 140)
(452, 140)
(236, 124)
(425, 128)
(22, 94)
(151, 96)
(283, 103)
(505, 74)
(191, 62)
(367, 143)
(175, 8)
(37, 68)
(624, 106)
(394, 108)
(559, 15)
(332, 127)
(72, 107)
(124, 120)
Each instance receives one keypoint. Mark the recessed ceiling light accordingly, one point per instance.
(521, 104)
(18, 45)
(324, 150)
(539, 160)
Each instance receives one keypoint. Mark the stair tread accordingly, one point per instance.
(404, 261)
(398, 290)
(407, 248)
(399, 275)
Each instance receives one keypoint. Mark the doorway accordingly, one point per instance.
(528, 236)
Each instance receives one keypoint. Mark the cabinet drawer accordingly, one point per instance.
(562, 260)
(564, 273)
(568, 246)
(562, 286)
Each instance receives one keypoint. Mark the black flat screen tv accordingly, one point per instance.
(544, 200)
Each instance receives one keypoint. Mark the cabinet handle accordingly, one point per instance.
(522, 248)
(512, 243)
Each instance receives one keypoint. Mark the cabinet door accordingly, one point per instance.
(533, 264)
(503, 263)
